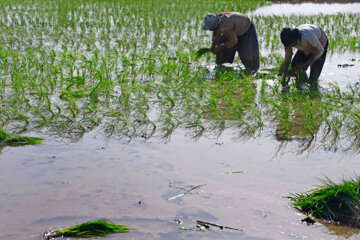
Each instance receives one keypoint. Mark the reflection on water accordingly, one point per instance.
(307, 9)
(340, 230)
(296, 123)
(55, 185)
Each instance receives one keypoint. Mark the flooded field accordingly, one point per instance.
(137, 131)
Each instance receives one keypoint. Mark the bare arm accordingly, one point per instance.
(287, 60)
(216, 36)
(215, 39)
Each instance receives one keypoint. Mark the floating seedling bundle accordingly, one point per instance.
(88, 230)
(7, 139)
(337, 203)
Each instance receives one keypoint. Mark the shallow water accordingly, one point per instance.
(306, 9)
(343, 69)
(57, 184)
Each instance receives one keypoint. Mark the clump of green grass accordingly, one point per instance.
(91, 229)
(7, 139)
(338, 203)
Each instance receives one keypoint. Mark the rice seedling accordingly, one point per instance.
(335, 202)
(90, 229)
(201, 52)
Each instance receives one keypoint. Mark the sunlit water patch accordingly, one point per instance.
(280, 9)
(343, 69)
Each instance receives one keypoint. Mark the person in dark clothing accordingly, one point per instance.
(233, 32)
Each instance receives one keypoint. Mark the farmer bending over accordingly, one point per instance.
(233, 31)
(312, 43)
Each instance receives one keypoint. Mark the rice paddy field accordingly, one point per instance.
(138, 130)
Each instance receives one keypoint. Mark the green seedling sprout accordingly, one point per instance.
(201, 52)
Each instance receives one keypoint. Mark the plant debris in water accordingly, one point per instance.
(208, 224)
(7, 139)
(337, 203)
(88, 230)
(235, 172)
(186, 191)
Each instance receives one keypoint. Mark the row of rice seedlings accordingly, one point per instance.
(229, 98)
(130, 84)
(78, 21)
(111, 33)
(148, 27)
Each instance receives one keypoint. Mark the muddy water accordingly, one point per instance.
(307, 9)
(57, 184)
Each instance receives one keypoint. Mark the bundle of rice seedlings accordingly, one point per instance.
(91, 229)
(337, 203)
(7, 139)
(201, 52)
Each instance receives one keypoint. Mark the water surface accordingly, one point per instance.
(57, 184)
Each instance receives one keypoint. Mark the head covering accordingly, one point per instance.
(211, 21)
(289, 35)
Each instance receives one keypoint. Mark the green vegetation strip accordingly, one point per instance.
(7, 139)
(67, 68)
(88, 230)
(339, 203)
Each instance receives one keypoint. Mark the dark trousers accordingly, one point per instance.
(315, 70)
(247, 48)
